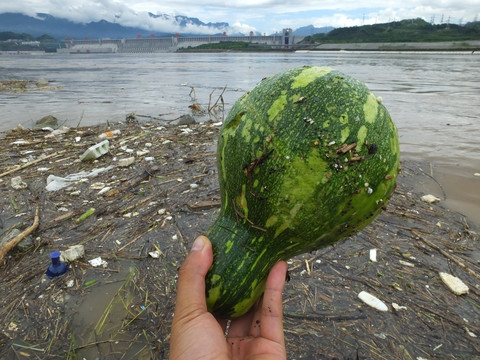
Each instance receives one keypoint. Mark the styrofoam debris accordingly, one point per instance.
(406, 263)
(471, 334)
(398, 307)
(456, 285)
(372, 301)
(430, 199)
(95, 151)
(72, 253)
(154, 254)
(142, 152)
(104, 190)
(98, 261)
(18, 183)
(373, 255)
(126, 162)
(97, 186)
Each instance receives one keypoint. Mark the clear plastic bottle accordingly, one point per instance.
(56, 268)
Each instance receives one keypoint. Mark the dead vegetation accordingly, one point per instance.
(166, 198)
(18, 86)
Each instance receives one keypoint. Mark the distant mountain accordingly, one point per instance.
(312, 30)
(60, 28)
(410, 30)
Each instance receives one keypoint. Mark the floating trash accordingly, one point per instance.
(126, 162)
(73, 253)
(373, 255)
(398, 307)
(95, 151)
(18, 183)
(56, 268)
(98, 261)
(372, 301)
(456, 285)
(430, 199)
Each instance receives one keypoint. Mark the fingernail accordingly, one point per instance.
(198, 244)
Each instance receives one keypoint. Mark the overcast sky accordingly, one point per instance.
(264, 16)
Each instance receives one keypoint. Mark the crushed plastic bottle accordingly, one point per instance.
(56, 268)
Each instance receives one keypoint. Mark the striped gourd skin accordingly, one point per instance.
(307, 158)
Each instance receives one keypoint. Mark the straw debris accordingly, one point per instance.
(128, 304)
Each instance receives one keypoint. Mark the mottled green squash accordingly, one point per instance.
(306, 158)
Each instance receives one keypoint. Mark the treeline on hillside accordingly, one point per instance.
(414, 30)
(10, 41)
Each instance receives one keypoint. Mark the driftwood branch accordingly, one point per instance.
(11, 244)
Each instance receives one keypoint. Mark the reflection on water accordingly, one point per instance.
(432, 97)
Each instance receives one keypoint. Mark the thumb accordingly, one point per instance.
(191, 278)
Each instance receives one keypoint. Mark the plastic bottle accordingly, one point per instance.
(56, 268)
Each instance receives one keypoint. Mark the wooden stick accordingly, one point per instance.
(11, 244)
(32, 163)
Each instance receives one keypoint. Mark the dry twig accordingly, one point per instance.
(11, 244)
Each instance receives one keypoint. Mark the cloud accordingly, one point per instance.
(249, 15)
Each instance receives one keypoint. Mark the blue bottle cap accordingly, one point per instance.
(56, 268)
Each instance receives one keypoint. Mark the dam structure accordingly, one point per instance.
(285, 40)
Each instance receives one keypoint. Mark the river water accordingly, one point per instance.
(434, 98)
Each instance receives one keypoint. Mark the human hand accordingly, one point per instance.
(197, 334)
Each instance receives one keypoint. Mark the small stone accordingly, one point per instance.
(46, 121)
(186, 120)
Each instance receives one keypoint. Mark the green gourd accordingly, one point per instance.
(307, 158)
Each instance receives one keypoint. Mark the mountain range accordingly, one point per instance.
(60, 28)
(155, 25)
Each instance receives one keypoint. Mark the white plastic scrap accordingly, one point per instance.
(373, 255)
(126, 162)
(95, 151)
(98, 262)
(456, 285)
(398, 307)
(18, 183)
(55, 183)
(372, 301)
(406, 263)
(430, 199)
(72, 253)
(471, 334)
(155, 254)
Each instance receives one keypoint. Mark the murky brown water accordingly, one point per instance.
(432, 97)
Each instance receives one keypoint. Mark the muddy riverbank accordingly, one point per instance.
(146, 215)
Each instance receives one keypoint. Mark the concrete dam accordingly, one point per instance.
(285, 40)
